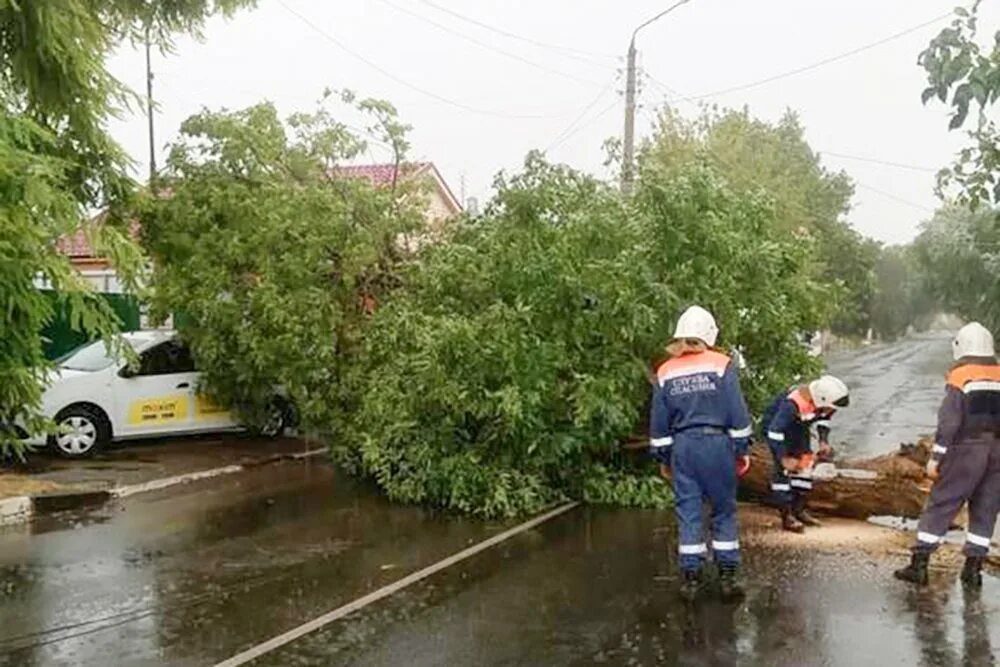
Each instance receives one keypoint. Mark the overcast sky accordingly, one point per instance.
(479, 99)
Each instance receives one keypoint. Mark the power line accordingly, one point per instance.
(886, 163)
(574, 127)
(343, 47)
(528, 40)
(489, 47)
(670, 92)
(820, 63)
(729, 165)
(360, 133)
(897, 198)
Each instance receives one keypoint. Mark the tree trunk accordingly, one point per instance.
(899, 489)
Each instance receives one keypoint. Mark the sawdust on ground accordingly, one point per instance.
(22, 485)
(761, 527)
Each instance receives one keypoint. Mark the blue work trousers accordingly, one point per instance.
(789, 490)
(704, 468)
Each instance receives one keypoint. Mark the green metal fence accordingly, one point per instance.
(60, 337)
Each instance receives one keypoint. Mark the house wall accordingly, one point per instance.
(438, 209)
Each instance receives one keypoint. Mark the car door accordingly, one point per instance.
(210, 416)
(159, 396)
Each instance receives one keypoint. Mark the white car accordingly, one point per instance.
(95, 398)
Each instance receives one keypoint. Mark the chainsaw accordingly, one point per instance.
(828, 471)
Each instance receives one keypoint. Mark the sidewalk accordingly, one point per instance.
(47, 483)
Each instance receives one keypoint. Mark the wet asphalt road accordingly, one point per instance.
(895, 392)
(194, 574)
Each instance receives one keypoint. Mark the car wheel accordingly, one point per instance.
(279, 418)
(81, 432)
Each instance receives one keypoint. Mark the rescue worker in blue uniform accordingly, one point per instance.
(965, 460)
(700, 429)
(786, 424)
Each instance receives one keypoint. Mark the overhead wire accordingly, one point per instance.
(360, 133)
(819, 63)
(563, 139)
(897, 198)
(886, 163)
(678, 96)
(574, 126)
(730, 165)
(521, 38)
(490, 47)
(403, 82)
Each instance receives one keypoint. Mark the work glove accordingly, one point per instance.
(742, 466)
(825, 453)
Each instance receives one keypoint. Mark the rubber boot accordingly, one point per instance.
(690, 585)
(800, 512)
(972, 573)
(790, 523)
(916, 571)
(730, 584)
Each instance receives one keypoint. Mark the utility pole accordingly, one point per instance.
(149, 112)
(628, 149)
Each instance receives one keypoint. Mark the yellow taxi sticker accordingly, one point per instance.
(159, 410)
(206, 408)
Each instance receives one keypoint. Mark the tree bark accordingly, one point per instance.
(900, 488)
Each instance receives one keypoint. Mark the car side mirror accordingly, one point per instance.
(127, 372)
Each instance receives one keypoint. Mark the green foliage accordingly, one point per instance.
(959, 252)
(270, 255)
(902, 298)
(516, 360)
(808, 200)
(36, 208)
(965, 74)
(56, 162)
(722, 248)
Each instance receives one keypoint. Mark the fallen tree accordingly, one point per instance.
(895, 483)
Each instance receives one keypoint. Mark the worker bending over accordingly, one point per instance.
(786, 425)
(699, 427)
(965, 460)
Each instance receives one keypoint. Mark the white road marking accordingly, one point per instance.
(255, 652)
(162, 483)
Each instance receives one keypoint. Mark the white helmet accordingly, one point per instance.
(829, 392)
(696, 322)
(972, 340)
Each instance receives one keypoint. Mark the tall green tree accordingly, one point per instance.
(963, 71)
(959, 251)
(57, 162)
(809, 200)
(515, 361)
(902, 297)
(271, 259)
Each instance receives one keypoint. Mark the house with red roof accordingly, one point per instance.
(441, 203)
(440, 206)
(95, 269)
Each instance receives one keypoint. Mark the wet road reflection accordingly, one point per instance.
(191, 575)
(595, 588)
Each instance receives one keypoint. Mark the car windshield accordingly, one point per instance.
(92, 357)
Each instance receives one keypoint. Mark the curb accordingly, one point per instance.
(15, 509)
(18, 509)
